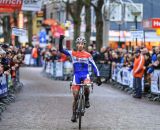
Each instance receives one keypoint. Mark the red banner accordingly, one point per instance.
(10, 5)
(156, 23)
(5, 10)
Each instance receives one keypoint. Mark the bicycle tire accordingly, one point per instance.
(80, 112)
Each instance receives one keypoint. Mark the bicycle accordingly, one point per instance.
(80, 105)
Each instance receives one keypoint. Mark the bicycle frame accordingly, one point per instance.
(80, 110)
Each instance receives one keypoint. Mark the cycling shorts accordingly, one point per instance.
(78, 79)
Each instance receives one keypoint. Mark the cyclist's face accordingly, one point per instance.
(80, 46)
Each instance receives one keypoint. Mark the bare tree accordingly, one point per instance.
(29, 16)
(7, 29)
(87, 4)
(75, 9)
(99, 23)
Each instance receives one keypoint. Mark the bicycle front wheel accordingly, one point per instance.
(80, 112)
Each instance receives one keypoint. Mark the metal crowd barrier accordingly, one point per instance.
(155, 85)
(105, 71)
(28, 59)
(9, 86)
(124, 78)
(3, 86)
(64, 70)
(59, 70)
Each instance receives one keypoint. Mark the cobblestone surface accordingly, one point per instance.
(45, 104)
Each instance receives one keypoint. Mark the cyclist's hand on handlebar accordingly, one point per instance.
(99, 82)
(62, 37)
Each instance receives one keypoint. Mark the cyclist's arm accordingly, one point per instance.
(61, 47)
(96, 71)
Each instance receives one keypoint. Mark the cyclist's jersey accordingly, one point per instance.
(81, 61)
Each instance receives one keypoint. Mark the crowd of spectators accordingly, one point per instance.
(107, 55)
(11, 59)
(147, 63)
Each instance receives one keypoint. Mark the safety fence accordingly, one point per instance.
(9, 86)
(64, 70)
(122, 78)
(30, 61)
(58, 70)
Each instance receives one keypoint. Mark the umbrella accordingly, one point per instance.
(57, 30)
(50, 22)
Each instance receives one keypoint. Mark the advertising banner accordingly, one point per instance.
(19, 32)
(156, 23)
(125, 78)
(155, 81)
(59, 69)
(137, 34)
(32, 5)
(3, 85)
(10, 5)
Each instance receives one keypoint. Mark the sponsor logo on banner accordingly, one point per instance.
(10, 5)
(19, 32)
(32, 5)
(156, 23)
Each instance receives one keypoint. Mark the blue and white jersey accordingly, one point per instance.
(81, 61)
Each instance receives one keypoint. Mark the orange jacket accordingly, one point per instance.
(138, 68)
(34, 53)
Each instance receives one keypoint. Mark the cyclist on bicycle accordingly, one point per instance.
(81, 60)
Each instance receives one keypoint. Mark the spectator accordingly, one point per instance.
(39, 58)
(36, 55)
(101, 56)
(54, 54)
(138, 71)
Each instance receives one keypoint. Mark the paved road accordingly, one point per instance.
(45, 104)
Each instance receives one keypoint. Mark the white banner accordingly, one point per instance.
(119, 76)
(125, 78)
(59, 69)
(48, 68)
(155, 81)
(137, 34)
(19, 32)
(131, 79)
(23, 39)
(31, 5)
(27, 59)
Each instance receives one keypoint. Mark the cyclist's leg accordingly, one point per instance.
(86, 90)
(75, 90)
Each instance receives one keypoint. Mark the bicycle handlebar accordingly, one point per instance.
(89, 84)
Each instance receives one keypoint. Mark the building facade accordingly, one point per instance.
(120, 32)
